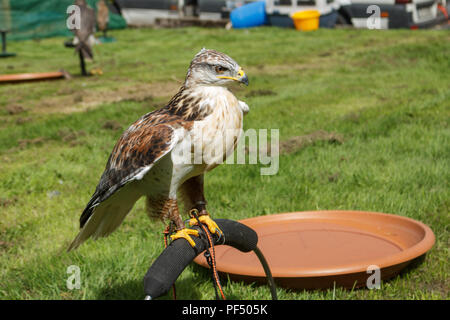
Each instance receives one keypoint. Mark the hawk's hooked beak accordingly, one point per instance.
(242, 77)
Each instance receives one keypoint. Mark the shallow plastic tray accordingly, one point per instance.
(320, 249)
(23, 77)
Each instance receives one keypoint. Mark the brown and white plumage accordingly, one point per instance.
(150, 160)
(102, 16)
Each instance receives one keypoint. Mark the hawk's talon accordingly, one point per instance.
(210, 223)
(185, 234)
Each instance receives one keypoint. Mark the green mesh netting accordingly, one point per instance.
(27, 19)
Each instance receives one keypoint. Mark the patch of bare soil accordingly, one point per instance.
(5, 245)
(66, 135)
(71, 137)
(15, 109)
(333, 177)
(439, 286)
(353, 116)
(24, 120)
(296, 143)
(69, 101)
(7, 202)
(112, 125)
(325, 54)
(23, 143)
(261, 92)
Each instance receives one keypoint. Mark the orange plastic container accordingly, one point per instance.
(324, 249)
(307, 20)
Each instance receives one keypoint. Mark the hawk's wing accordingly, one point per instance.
(138, 149)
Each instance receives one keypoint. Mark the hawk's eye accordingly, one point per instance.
(220, 69)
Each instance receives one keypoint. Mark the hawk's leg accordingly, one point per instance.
(82, 64)
(194, 199)
(171, 207)
(204, 217)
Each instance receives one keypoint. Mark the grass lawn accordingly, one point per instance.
(385, 94)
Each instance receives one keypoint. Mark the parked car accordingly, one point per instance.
(411, 14)
(145, 12)
(279, 11)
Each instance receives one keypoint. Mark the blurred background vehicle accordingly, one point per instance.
(411, 14)
(279, 12)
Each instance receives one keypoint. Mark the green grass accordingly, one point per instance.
(386, 93)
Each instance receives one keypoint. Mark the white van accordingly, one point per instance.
(411, 14)
(279, 11)
(144, 12)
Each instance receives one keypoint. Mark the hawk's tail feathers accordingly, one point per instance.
(105, 217)
(85, 50)
(90, 227)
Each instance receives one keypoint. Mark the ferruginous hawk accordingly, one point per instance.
(146, 160)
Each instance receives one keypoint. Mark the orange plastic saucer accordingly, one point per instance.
(320, 249)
